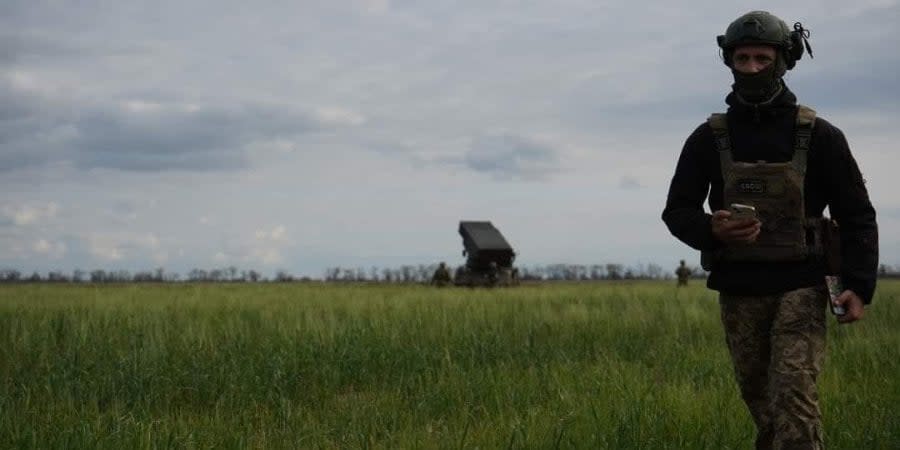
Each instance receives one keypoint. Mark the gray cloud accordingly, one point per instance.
(14, 105)
(860, 86)
(193, 140)
(25, 47)
(630, 183)
(139, 135)
(508, 156)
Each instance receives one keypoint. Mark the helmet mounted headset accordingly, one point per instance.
(764, 28)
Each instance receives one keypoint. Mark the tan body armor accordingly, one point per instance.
(776, 190)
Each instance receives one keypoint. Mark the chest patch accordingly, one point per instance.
(751, 186)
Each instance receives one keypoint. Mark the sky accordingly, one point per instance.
(302, 135)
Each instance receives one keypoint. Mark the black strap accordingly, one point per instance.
(719, 125)
(806, 119)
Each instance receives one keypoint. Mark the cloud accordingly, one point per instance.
(275, 235)
(116, 246)
(629, 183)
(29, 44)
(149, 136)
(105, 249)
(15, 102)
(25, 215)
(51, 249)
(145, 134)
(267, 256)
(339, 116)
(122, 212)
(506, 156)
(265, 247)
(376, 6)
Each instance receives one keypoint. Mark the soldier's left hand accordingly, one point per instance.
(852, 304)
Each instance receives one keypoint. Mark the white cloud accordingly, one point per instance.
(116, 246)
(268, 245)
(24, 80)
(104, 248)
(275, 235)
(42, 246)
(136, 106)
(148, 241)
(24, 215)
(266, 256)
(51, 249)
(139, 106)
(376, 6)
(160, 257)
(340, 116)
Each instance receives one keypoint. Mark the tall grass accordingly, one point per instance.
(594, 365)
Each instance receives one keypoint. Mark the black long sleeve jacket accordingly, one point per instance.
(833, 179)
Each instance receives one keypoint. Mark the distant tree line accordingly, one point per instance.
(420, 273)
(553, 272)
(158, 275)
(403, 274)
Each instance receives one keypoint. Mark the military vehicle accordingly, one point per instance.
(489, 258)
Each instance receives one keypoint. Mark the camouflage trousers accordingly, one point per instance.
(777, 345)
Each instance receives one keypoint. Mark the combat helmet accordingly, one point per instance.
(762, 27)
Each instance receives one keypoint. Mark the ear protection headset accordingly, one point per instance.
(751, 28)
(799, 39)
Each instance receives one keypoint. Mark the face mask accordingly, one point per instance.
(760, 86)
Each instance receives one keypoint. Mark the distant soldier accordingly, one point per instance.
(683, 272)
(441, 276)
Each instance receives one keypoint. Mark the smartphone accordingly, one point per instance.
(741, 211)
(835, 287)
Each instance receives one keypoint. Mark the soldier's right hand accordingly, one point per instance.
(730, 231)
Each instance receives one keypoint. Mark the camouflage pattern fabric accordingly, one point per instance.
(777, 345)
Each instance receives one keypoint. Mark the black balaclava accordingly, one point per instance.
(760, 87)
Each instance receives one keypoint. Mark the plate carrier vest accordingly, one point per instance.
(776, 191)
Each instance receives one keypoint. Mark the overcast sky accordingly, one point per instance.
(300, 135)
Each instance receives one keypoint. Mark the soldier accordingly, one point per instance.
(683, 273)
(770, 153)
(441, 276)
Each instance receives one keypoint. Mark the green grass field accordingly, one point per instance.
(598, 365)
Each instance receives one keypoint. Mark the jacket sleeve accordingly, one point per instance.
(848, 201)
(684, 214)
